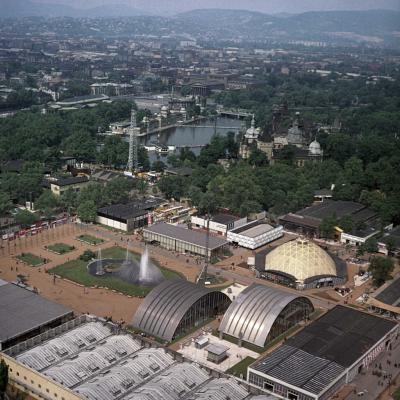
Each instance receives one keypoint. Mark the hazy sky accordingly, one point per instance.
(268, 6)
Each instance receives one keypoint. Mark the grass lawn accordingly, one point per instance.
(60, 248)
(241, 367)
(31, 259)
(76, 270)
(89, 239)
(396, 394)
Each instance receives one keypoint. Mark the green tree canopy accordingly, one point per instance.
(5, 203)
(69, 200)
(87, 211)
(25, 217)
(47, 202)
(381, 268)
(327, 227)
(158, 166)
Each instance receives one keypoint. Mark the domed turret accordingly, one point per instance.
(315, 148)
(252, 133)
(164, 111)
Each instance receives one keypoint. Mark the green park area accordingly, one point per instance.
(89, 239)
(31, 259)
(60, 248)
(76, 270)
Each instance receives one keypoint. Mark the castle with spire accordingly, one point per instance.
(276, 136)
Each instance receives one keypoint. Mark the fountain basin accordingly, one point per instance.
(127, 270)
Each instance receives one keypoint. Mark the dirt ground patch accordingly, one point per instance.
(82, 300)
(101, 302)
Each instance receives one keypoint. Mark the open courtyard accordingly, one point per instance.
(83, 299)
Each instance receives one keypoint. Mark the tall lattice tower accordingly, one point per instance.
(133, 162)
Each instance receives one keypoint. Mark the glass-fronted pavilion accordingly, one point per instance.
(183, 240)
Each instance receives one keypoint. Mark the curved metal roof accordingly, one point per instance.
(254, 311)
(164, 307)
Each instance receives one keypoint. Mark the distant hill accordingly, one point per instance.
(26, 8)
(319, 25)
(361, 22)
(374, 27)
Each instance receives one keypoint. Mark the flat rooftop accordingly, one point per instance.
(313, 215)
(317, 355)
(342, 335)
(22, 311)
(217, 348)
(329, 208)
(257, 230)
(393, 235)
(130, 210)
(299, 368)
(224, 218)
(72, 180)
(186, 235)
(391, 293)
(253, 229)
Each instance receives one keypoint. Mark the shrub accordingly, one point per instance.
(87, 255)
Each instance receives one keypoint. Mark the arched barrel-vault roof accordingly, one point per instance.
(254, 311)
(164, 307)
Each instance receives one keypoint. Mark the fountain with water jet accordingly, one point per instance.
(99, 266)
(148, 272)
(144, 273)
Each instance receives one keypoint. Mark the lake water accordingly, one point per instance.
(192, 136)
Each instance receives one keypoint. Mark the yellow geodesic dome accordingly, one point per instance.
(301, 259)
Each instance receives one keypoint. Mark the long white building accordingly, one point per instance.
(254, 234)
(219, 223)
